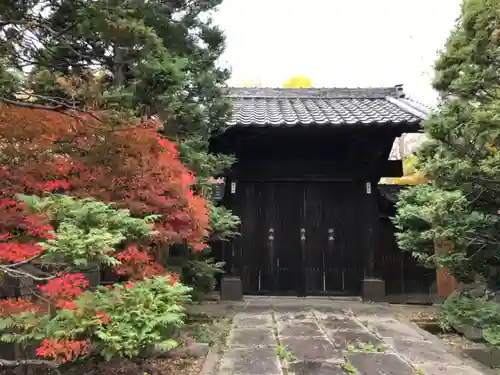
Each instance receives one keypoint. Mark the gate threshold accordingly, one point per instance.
(308, 298)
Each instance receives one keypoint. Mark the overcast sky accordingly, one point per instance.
(346, 43)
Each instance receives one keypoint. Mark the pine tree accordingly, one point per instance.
(461, 204)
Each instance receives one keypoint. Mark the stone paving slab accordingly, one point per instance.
(318, 341)
(324, 312)
(304, 315)
(299, 329)
(379, 364)
(250, 361)
(341, 339)
(432, 369)
(252, 320)
(340, 324)
(417, 352)
(252, 337)
(315, 368)
(312, 349)
(393, 328)
(367, 309)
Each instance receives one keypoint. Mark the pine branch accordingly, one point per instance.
(18, 273)
(31, 105)
(18, 264)
(30, 362)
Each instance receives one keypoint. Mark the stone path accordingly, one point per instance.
(322, 341)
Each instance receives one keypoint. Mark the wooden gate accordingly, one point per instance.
(300, 237)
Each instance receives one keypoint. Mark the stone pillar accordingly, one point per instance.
(231, 288)
(373, 290)
(445, 283)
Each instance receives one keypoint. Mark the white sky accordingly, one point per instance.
(337, 43)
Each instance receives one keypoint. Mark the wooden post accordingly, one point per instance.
(303, 277)
(372, 288)
(373, 229)
(446, 284)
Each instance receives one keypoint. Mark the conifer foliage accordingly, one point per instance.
(460, 207)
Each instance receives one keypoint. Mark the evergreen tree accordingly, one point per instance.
(130, 58)
(461, 204)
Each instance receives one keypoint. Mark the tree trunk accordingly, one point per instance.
(446, 284)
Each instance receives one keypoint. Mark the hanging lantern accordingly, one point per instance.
(219, 186)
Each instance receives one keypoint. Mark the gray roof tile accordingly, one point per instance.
(321, 106)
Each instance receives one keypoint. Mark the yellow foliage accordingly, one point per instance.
(409, 164)
(298, 82)
(411, 176)
(412, 179)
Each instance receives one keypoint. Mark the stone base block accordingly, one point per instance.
(487, 356)
(231, 289)
(373, 290)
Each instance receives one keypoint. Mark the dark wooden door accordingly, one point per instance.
(270, 213)
(274, 259)
(333, 259)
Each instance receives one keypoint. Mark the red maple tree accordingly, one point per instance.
(84, 156)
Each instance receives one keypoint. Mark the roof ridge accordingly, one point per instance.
(314, 88)
(316, 92)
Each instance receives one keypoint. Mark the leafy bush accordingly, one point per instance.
(140, 314)
(201, 274)
(68, 320)
(84, 229)
(483, 313)
(117, 321)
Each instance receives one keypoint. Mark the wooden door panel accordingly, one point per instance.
(323, 256)
(247, 196)
(314, 223)
(287, 215)
(265, 254)
(269, 266)
(333, 248)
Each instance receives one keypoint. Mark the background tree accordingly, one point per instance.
(461, 205)
(257, 82)
(297, 81)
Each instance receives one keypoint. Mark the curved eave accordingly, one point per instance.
(404, 126)
(410, 106)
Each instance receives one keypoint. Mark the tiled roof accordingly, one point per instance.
(323, 106)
